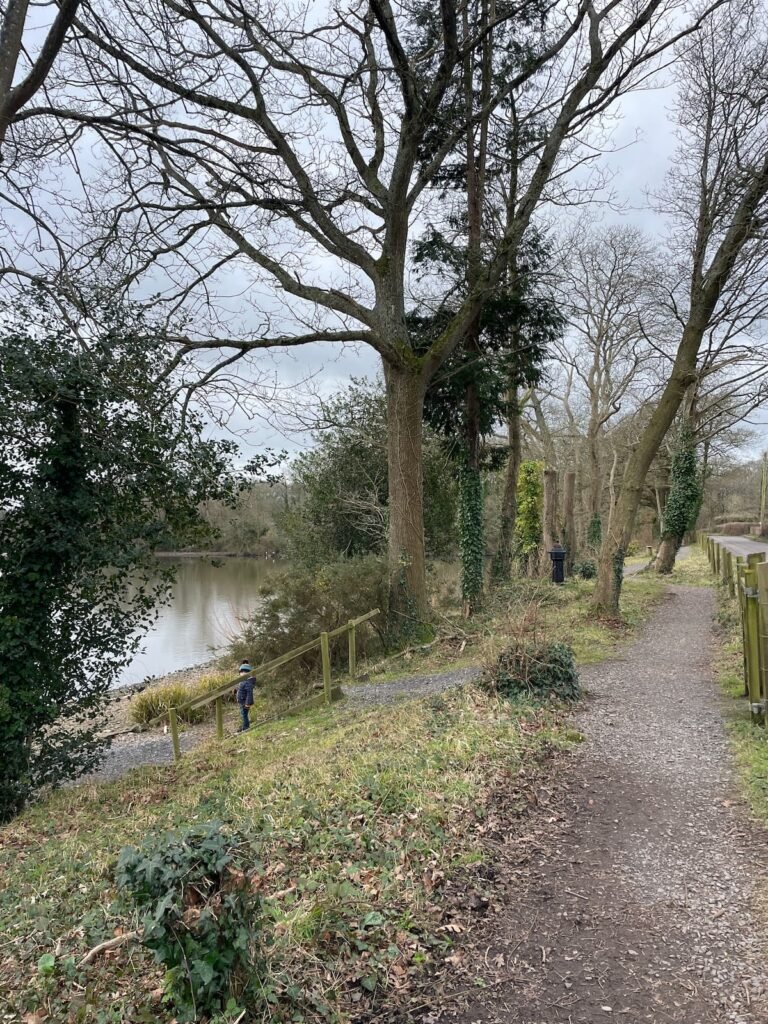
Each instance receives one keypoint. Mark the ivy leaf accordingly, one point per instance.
(46, 964)
(373, 920)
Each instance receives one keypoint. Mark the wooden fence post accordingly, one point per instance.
(326, 656)
(352, 649)
(219, 719)
(762, 603)
(174, 724)
(729, 573)
(741, 567)
(754, 561)
(752, 636)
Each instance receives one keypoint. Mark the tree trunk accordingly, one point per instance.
(407, 580)
(569, 520)
(502, 568)
(665, 556)
(614, 546)
(595, 476)
(550, 529)
(471, 511)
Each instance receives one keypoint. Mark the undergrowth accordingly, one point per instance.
(358, 821)
(529, 609)
(156, 700)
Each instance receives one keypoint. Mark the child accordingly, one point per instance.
(244, 694)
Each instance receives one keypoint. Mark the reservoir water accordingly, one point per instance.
(207, 602)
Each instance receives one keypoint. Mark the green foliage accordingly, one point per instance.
(200, 916)
(539, 670)
(98, 468)
(518, 322)
(595, 532)
(530, 502)
(586, 569)
(342, 484)
(471, 536)
(301, 603)
(685, 492)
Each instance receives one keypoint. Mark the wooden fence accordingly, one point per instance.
(747, 580)
(329, 694)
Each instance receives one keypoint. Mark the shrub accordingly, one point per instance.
(200, 916)
(155, 701)
(539, 670)
(586, 569)
(301, 603)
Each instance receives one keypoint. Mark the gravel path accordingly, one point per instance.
(408, 687)
(633, 570)
(137, 749)
(634, 896)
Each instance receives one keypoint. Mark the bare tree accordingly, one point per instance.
(293, 148)
(23, 70)
(609, 287)
(717, 200)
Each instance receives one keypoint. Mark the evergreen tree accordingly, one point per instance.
(98, 468)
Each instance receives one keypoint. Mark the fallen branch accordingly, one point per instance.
(119, 940)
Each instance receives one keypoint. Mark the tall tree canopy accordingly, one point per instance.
(294, 145)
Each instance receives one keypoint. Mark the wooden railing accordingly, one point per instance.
(747, 580)
(323, 641)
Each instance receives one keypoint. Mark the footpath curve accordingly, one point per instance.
(639, 902)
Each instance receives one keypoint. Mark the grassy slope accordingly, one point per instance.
(749, 741)
(357, 816)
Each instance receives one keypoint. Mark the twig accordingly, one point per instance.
(577, 894)
(119, 940)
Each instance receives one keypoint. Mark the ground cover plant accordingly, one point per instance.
(359, 821)
(541, 671)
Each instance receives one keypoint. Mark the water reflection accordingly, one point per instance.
(207, 601)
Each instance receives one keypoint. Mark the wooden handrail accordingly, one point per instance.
(262, 670)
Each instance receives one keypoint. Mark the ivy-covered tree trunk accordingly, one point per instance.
(502, 563)
(471, 516)
(683, 502)
(529, 508)
(407, 580)
(471, 510)
(614, 546)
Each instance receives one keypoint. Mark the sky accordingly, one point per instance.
(642, 145)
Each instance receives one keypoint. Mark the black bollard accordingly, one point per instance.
(557, 554)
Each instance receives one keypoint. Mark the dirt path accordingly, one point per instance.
(633, 896)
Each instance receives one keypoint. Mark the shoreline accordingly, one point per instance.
(121, 697)
(198, 669)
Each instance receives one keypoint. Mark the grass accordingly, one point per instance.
(360, 821)
(156, 700)
(693, 571)
(531, 608)
(749, 740)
